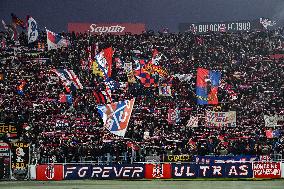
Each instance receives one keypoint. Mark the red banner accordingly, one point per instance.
(158, 171)
(110, 28)
(267, 170)
(49, 172)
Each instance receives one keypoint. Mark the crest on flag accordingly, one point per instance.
(116, 116)
(207, 86)
(32, 30)
(55, 41)
(165, 91)
(96, 70)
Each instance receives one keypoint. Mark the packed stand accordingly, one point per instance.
(243, 59)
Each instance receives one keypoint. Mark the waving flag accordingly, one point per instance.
(207, 86)
(116, 116)
(146, 78)
(17, 21)
(104, 61)
(21, 87)
(156, 57)
(11, 29)
(69, 79)
(224, 85)
(55, 41)
(103, 97)
(183, 77)
(63, 98)
(173, 115)
(272, 134)
(32, 30)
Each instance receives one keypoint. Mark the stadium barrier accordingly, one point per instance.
(162, 170)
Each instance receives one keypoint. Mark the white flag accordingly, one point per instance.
(192, 122)
(32, 30)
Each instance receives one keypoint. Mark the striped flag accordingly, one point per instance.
(69, 79)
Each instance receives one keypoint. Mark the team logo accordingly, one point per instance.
(49, 172)
(158, 171)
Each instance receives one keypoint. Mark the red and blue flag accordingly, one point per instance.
(207, 86)
(116, 116)
(55, 41)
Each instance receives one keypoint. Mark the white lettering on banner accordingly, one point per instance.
(137, 171)
(178, 174)
(267, 172)
(127, 170)
(82, 172)
(70, 170)
(217, 170)
(106, 172)
(204, 168)
(96, 171)
(188, 173)
(216, 27)
(233, 170)
(266, 166)
(106, 29)
(117, 173)
(244, 168)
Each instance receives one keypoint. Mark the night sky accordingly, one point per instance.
(156, 14)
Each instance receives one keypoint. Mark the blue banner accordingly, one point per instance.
(220, 170)
(224, 159)
(75, 172)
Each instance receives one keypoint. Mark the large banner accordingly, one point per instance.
(49, 172)
(10, 129)
(230, 26)
(107, 28)
(267, 169)
(225, 159)
(133, 171)
(220, 119)
(20, 157)
(228, 170)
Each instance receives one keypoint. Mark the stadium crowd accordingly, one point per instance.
(243, 59)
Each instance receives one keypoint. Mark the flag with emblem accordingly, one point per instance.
(32, 30)
(165, 91)
(207, 86)
(116, 116)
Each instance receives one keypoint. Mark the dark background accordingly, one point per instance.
(156, 14)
